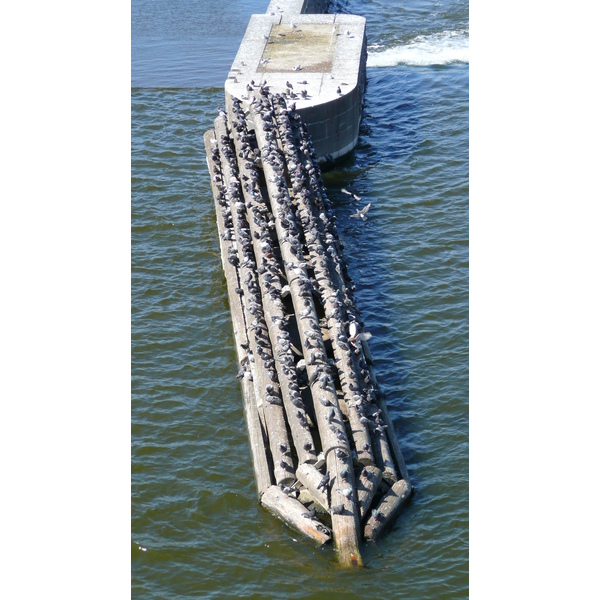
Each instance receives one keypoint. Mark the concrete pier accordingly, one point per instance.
(318, 61)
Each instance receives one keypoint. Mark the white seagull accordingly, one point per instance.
(346, 191)
(362, 213)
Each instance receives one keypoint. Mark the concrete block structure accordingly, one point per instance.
(317, 60)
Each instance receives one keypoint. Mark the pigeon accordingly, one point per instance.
(346, 492)
(323, 483)
(310, 514)
(337, 509)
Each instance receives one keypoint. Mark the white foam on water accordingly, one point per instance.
(435, 49)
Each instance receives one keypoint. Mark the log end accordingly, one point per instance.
(349, 555)
(294, 514)
(387, 511)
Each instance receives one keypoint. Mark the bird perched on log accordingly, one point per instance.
(273, 400)
(323, 483)
(310, 513)
(324, 401)
(346, 492)
(297, 401)
(288, 491)
(364, 421)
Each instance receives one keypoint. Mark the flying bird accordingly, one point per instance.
(346, 191)
(362, 213)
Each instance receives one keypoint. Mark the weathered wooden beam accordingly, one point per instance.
(329, 417)
(258, 218)
(392, 437)
(258, 442)
(384, 515)
(311, 478)
(341, 281)
(306, 498)
(265, 379)
(295, 514)
(367, 483)
(371, 448)
(295, 164)
(381, 449)
(260, 461)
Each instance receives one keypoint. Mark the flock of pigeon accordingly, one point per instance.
(286, 245)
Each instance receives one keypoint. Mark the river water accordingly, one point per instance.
(197, 528)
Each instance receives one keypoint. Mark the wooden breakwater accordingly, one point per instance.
(325, 455)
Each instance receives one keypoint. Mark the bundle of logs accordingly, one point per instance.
(325, 455)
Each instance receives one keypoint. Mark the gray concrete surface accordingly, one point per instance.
(297, 7)
(323, 54)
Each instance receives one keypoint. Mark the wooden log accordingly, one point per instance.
(381, 449)
(260, 461)
(312, 224)
(230, 262)
(367, 483)
(267, 385)
(311, 478)
(270, 283)
(387, 511)
(341, 282)
(391, 432)
(306, 498)
(258, 442)
(294, 513)
(388, 446)
(347, 376)
(329, 417)
(380, 403)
